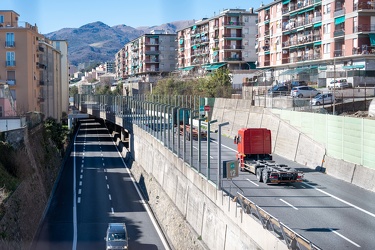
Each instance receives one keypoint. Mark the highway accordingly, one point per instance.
(329, 212)
(94, 189)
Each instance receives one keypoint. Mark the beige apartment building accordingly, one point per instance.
(226, 39)
(31, 69)
(317, 41)
(144, 60)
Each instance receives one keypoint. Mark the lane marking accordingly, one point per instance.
(253, 183)
(109, 196)
(79, 200)
(81, 176)
(79, 191)
(103, 164)
(80, 183)
(289, 204)
(107, 186)
(106, 177)
(342, 236)
(113, 211)
(82, 170)
(74, 246)
(339, 199)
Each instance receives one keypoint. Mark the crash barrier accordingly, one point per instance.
(292, 239)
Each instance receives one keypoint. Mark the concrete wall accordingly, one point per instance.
(216, 221)
(288, 141)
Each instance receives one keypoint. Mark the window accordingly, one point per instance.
(246, 19)
(327, 9)
(326, 48)
(10, 58)
(9, 39)
(1, 18)
(1, 111)
(246, 31)
(327, 28)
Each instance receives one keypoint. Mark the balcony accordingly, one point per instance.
(152, 61)
(10, 44)
(11, 63)
(364, 28)
(41, 82)
(339, 32)
(233, 36)
(152, 69)
(368, 6)
(152, 52)
(40, 49)
(235, 47)
(338, 53)
(231, 59)
(339, 12)
(229, 23)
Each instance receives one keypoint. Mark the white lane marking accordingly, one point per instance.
(79, 200)
(80, 183)
(109, 196)
(339, 199)
(210, 156)
(81, 176)
(253, 183)
(79, 191)
(289, 204)
(225, 146)
(113, 211)
(342, 236)
(106, 177)
(156, 225)
(74, 246)
(82, 170)
(107, 186)
(82, 166)
(103, 164)
(83, 153)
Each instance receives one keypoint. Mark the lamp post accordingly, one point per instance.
(208, 146)
(219, 156)
(334, 85)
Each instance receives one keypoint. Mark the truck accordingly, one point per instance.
(254, 154)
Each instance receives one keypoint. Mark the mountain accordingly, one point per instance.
(99, 42)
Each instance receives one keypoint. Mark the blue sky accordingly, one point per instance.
(51, 15)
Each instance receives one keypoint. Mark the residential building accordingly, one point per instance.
(31, 68)
(317, 41)
(145, 59)
(110, 67)
(226, 39)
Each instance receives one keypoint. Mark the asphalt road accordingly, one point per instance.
(331, 213)
(94, 189)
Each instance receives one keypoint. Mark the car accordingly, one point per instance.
(116, 236)
(322, 99)
(338, 84)
(298, 83)
(278, 90)
(304, 91)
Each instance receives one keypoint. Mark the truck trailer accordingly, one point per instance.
(254, 148)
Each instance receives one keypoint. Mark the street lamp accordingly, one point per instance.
(208, 146)
(219, 155)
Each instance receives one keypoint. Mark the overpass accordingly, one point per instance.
(193, 189)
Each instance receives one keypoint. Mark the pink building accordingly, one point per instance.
(317, 41)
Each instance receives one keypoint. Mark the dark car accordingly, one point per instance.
(116, 236)
(278, 90)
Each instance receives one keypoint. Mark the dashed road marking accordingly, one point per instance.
(253, 182)
(342, 236)
(289, 204)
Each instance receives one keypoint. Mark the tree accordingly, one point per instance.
(73, 90)
(218, 84)
(55, 131)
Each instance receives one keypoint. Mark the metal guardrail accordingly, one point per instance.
(292, 239)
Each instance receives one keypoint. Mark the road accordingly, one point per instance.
(94, 189)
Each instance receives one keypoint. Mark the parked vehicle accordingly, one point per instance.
(338, 84)
(116, 236)
(298, 83)
(322, 99)
(278, 90)
(304, 91)
(254, 155)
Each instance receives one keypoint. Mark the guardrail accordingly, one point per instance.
(292, 239)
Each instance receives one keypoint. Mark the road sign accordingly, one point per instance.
(230, 169)
(207, 108)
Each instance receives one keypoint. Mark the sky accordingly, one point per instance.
(51, 15)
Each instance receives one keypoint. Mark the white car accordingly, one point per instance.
(322, 99)
(338, 84)
(304, 91)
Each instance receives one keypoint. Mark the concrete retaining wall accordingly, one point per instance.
(217, 222)
(288, 141)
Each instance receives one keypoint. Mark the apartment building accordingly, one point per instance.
(317, 41)
(145, 59)
(227, 39)
(31, 69)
